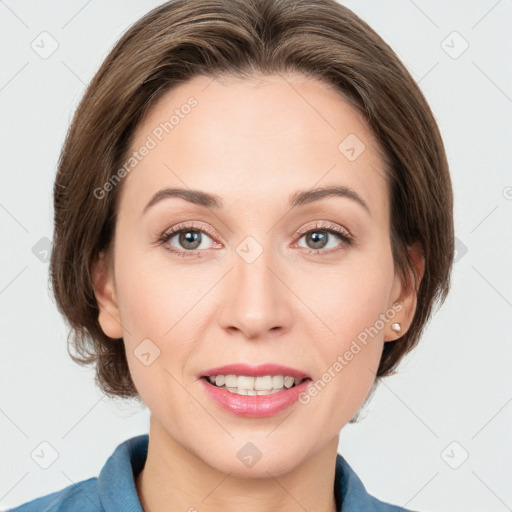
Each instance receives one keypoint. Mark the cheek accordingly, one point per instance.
(167, 306)
(351, 301)
(350, 296)
(156, 316)
(154, 299)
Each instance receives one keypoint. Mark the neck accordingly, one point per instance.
(174, 479)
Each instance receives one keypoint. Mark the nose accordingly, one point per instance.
(256, 301)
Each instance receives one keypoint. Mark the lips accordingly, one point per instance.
(255, 371)
(254, 406)
(261, 391)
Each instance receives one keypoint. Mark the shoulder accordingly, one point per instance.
(350, 491)
(113, 489)
(82, 497)
(381, 506)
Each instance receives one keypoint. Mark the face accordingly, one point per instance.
(266, 276)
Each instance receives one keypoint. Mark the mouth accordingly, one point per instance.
(256, 380)
(255, 386)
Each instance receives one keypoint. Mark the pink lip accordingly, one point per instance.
(255, 371)
(254, 406)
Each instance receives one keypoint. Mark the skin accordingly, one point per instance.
(253, 143)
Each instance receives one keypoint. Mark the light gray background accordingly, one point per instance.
(456, 386)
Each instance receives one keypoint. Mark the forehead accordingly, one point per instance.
(249, 139)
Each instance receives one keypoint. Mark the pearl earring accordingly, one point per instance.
(396, 327)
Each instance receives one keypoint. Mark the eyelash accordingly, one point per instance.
(343, 235)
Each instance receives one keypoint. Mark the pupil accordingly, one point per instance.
(190, 237)
(319, 238)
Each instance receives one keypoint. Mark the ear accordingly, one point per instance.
(405, 295)
(105, 292)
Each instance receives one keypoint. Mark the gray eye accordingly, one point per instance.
(319, 239)
(190, 239)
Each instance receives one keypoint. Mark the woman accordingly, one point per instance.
(253, 223)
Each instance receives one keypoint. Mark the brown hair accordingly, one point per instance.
(184, 38)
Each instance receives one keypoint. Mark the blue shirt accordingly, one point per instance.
(114, 490)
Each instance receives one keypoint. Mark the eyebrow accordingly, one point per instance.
(299, 198)
(192, 196)
(309, 196)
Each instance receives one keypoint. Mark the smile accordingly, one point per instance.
(254, 386)
(254, 391)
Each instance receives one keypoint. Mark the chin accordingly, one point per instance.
(247, 459)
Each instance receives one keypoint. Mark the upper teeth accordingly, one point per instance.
(266, 382)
